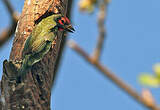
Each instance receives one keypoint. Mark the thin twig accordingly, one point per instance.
(11, 11)
(121, 84)
(102, 30)
(8, 32)
(147, 95)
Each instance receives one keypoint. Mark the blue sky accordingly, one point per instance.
(131, 47)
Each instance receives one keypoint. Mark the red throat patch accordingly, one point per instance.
(60, 29)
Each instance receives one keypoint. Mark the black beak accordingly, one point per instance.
(69, 28)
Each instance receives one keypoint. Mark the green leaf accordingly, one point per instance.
(149, 80)
(156, 69)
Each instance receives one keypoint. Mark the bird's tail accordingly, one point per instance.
(24, 68)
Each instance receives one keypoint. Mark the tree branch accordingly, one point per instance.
(125, 87)
(102, 30)
(8, 32)
(11, 11)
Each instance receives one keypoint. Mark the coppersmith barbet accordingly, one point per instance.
(40, 40)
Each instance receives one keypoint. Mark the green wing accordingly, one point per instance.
(40, 34)
(39, 44)
(37, 50)
(33, 45)
(28, 43)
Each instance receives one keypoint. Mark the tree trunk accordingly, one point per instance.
(34, 92)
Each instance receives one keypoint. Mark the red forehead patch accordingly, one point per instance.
(63, 19)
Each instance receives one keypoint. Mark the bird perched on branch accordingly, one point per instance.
(40, 40)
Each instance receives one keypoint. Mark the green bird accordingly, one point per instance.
(40, 40)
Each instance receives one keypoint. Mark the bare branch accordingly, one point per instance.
(121, 84)
(102, 30)
(11, 10)
(8, 32)
(147, 95)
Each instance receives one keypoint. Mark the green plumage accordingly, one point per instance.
(39, 42)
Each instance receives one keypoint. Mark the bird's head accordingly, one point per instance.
(64, 24)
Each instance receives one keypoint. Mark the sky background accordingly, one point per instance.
(132, 46)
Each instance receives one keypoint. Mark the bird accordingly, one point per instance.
(40, 40)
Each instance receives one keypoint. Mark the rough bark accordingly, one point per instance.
(34, 92)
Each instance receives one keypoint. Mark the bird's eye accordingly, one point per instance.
(62, 21)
